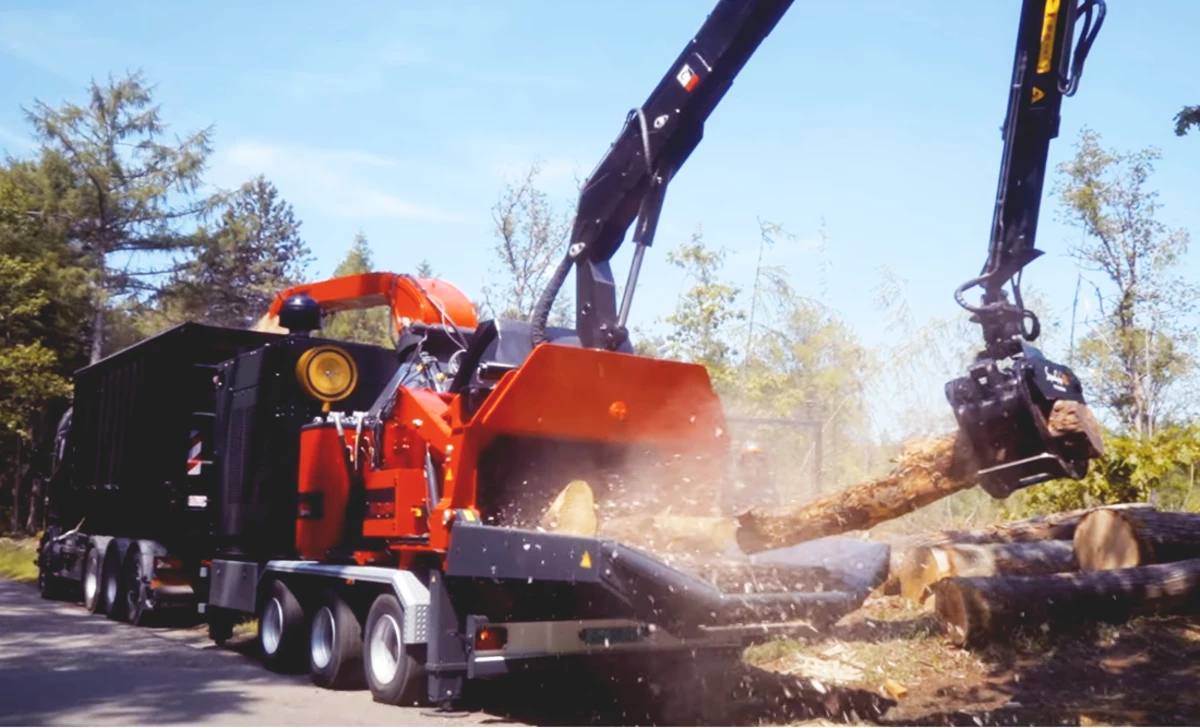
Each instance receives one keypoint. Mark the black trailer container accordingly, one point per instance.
(130, 502)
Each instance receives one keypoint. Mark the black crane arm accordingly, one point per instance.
(1005, 404)
(630, 182)
(1044, 71)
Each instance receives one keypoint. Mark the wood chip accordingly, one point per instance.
(895, 689)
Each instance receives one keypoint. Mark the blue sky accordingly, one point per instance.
(403, 119)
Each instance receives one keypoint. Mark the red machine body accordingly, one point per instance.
(323, 486)
(410, 299)
(421, 462)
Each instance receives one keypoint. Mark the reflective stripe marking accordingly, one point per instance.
(1049, 25)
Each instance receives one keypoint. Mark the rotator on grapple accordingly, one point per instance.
(1004, 404)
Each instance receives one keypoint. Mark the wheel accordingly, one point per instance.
(393, 669)
(49, 586)
(137, 606)
(335, 649)
(115, 604)
(282, 629)
(93, 594)
(220, 625)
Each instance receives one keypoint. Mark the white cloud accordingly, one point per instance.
(331, 180)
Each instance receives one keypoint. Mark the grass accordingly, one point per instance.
(17, 560)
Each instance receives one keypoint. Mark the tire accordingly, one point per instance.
(137, 610)
(220, 625)
(282, 630)
(115, 604)
(50, 587)
(394, 671)
(335, 645)
(93, 582)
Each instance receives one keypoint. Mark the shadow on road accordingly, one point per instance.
(58, 664)
(55, 662)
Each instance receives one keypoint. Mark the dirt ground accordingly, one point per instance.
(1146, 672)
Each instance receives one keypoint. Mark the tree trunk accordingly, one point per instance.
(923, 567)
(17, 476)
(33, 524)
(1120, 538)
(975, 610)
(98, 333)
(927, 471)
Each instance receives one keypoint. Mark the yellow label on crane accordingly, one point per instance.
(1049, 25)
(1038, 94)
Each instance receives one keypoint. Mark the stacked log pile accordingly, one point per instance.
(1128, 561)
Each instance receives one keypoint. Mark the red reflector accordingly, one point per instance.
(491, 638)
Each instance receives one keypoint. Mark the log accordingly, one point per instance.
(573, 511)
(923, 567)
(1070, 419)
(1052, 527)
(926, 471)
(1112, 538)
(976, 610)
(672, 533)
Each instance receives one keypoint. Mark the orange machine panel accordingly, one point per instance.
(586, 394)
(396, 503)
(428, 300)
(324, 491)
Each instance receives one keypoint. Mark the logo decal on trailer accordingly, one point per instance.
(687, 77)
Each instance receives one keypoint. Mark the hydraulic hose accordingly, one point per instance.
(541, 312)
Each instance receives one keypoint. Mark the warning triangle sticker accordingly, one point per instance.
(1038, 94)
(586, 561)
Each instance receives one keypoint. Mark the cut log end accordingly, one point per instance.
(1074, 420)
(1105, 539)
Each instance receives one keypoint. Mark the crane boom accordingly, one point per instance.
(1006, 403)
(630, 182)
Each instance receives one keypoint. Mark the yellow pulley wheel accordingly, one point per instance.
(327, 373)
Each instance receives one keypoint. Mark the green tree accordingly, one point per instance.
(1140, 349)
(132, 193)
(1158, 469)
(701, 324)
(367, 326)
(1188, 117)
(531, 236)
(236, 271)
(425, 270)
(43, 295)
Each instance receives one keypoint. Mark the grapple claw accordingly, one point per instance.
(1004, 409)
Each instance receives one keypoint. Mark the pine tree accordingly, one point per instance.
(369, 326)
(255, 252)
(131, 193)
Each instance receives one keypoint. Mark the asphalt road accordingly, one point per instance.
(60, 665)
